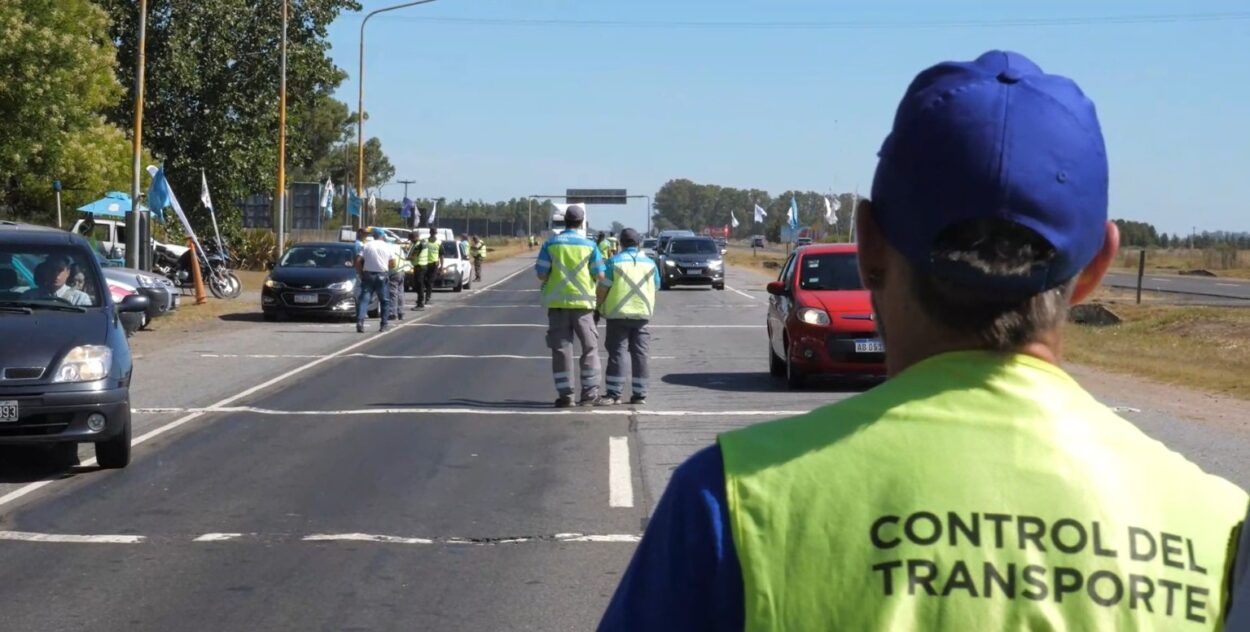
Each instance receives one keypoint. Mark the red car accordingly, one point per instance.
(820, 318)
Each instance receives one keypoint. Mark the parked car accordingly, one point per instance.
(666, 235)
(803, 241)
(649, 246)
(163, 296)
(457, 272)
(110, 236)
(692, 261)
(65, 366)
(723, 244)
(131, 321)
(313, 278)
(820, 318)
(757, 241)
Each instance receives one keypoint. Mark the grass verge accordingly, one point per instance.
(1205, 348)
(189, 313)
(761, 260)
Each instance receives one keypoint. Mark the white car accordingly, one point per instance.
(111, 235)
(457, 272)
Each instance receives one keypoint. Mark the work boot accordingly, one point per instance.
(609, 400)
(564, 401)
(360, 328)
(590, 400)
(638, 400)
(384, 329)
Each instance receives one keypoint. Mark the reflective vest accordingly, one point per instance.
(402, 264)
(975, 491)
(428, 252)
(632, 294)
(480, 251)
(570, 283)
(605, 248)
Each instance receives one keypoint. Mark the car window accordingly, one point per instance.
(31, 273)
(787, 272)
(451, 249)
(317, 257)
(693, 247)
(830, 271)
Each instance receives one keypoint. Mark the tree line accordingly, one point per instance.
(1135, 234)
(211, 101)
(682, 203)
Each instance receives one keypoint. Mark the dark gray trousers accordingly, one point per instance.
(563, 327)
(627, 336)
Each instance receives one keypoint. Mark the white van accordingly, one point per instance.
(111, 235)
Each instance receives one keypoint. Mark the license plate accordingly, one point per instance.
(869, 346)
(694, 270)
(305, 298)
(8, 410)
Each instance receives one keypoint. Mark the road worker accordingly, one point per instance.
(604, 246)
(533, 241)
(980, 487)
(569, 267)
(427, 259)
(400, 269)
(627, 300)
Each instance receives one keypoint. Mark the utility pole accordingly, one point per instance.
(282, 137)
(133, 220)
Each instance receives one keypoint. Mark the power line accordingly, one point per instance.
(1115, 20)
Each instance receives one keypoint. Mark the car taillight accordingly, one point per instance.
(119, 293)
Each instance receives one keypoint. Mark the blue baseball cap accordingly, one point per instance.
(379, 233)
(994, 138)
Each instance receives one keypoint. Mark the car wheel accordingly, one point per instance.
(664, 284)
(794, 376)
(65, 454)
(115, 453)
(271, 317)
(459, 284)
(776, 366)
(719, 286)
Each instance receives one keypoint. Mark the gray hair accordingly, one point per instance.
(1000, 248)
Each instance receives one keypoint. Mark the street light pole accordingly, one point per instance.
(133, 220)
(282, 137)
(360, 105)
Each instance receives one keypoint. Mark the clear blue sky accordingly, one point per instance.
(476, 109)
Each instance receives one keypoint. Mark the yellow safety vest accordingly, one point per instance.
(428, 253)
(480, 251)
(975, 491)
(632, 294)
(571, 282)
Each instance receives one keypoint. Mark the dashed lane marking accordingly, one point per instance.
(25, 536)
(375, 356)
(622, 411)
(219, 537)
(542, 326)
(620, 478)
(740, 292)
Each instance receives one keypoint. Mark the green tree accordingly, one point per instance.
(57, 62)
(212, 89)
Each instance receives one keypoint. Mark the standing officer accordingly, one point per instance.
(627, 300)
(427, 257)
(399, 270)
(980, 488)
(569, 266)
(373, 265)
(479, 255)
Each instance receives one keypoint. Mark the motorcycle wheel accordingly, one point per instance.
(219, 285)
(236, 286)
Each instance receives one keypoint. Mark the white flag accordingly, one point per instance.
(433, 214)
(831, 208)
(327, 197)
(205, 198)
(372, 203)
(733, 219)
(759, 214)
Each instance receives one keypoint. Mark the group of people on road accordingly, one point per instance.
(383, 268)
(580, 283)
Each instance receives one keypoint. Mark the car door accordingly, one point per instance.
(779, 307)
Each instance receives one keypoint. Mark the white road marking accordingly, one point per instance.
(496, 283)
(219, 537)
(621, 411)
(577, 537)
(375, 356)
(364, 537)
(1229, 284)
(527, 290)
(24, 536)
(740, 292)
(1160, 280)
(1125, 409)
(620, 479)
(455, 326)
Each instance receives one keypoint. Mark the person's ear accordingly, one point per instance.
(1091, 277)
(873, 255)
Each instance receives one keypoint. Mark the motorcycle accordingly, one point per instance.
(214, 269)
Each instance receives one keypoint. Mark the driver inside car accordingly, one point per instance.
(51, 278)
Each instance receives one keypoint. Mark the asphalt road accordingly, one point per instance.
(1234, 289)
(301, 476)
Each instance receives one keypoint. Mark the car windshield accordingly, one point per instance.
(451, 249)
(317, 257)
(650, 243)
(44, 275)
(693, 247)
(830, 272)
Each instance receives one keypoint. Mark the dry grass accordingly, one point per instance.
(1206, 348)
(770, 261)
(189, 313)
(1222, 262)
(502, 249)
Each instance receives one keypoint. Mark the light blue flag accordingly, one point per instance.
(794, 213)
(353, 203)
(159, 194)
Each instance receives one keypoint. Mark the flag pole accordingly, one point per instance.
(282, 136)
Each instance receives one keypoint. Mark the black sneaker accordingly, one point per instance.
(638, 400)
(590, 401)
(564, 401)
(384, 329)
(360, 328)
(610, 400)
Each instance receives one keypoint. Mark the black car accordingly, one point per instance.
(65, 365)
(313, 278)
(692, 261)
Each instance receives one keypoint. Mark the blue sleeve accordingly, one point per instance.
(657, 274)
(596, 260)
(685, 574)
(607, 274)
(543, 266)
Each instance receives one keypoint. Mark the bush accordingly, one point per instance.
(256, 249)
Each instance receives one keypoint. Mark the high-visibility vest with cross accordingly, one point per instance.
(480, 251)
(571, 282)
(428, 252)
(633, 288)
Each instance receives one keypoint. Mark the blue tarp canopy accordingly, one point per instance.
(113, 204)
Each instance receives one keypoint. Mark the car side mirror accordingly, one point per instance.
(133, 303)
(776, 288)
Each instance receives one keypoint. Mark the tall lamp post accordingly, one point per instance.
(282, 137)
(360, 105)
(133, 221)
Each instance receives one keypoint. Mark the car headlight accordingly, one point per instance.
(342, 286)
(715, 265)
(86, 363)
(143, 281)
(274, 285)
(813, 316)
(670, 263)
